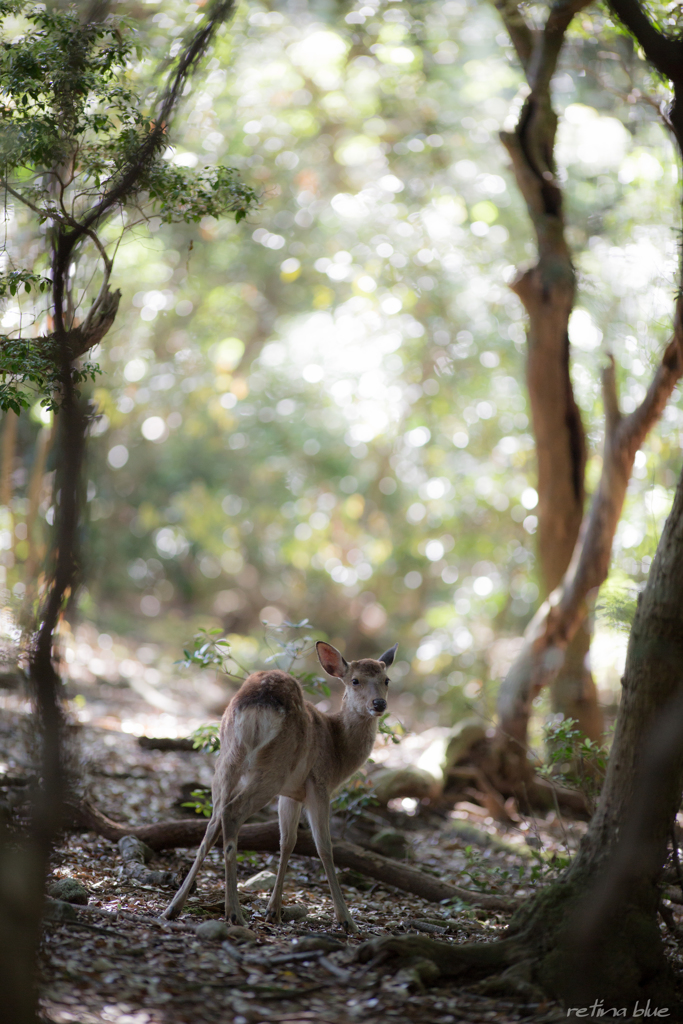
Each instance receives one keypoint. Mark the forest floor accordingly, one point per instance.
(116, 962)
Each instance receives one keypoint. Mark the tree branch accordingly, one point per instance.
(664, 53)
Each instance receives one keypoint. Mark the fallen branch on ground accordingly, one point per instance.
(265, 837)
(167, 743)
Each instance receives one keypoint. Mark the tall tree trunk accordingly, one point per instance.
(593, 934)
(43, 444)
(9, 446)
(547, 291)
(24, 863)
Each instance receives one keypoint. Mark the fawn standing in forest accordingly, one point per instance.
(275, 743)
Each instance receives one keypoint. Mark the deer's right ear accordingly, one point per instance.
(331, 660)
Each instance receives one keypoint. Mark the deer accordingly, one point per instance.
(273, 742)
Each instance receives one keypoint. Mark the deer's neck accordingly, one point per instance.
(354, 739)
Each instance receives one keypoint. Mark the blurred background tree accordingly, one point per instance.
(321, 412)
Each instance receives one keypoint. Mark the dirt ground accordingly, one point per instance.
(116, 962)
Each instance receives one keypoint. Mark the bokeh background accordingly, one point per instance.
(320, 413)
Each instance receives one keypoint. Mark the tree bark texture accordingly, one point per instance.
(547, 291)
(266, 838)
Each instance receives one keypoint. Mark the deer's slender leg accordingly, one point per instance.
(288, 811)
(210, 837)
(234, 813)
(233, 911)
(318, 807)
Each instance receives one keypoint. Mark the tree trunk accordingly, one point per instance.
(547, 291)
(9, 445)
(557, 622)
(593, 934)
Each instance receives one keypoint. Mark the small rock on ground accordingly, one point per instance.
(70, 890)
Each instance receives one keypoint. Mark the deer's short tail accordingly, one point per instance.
(255, 727)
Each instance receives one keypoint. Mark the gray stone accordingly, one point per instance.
(212, 931)
(390, 843)
(263, 881)
(294, 912)
(238, 933)
(133, 849)
(69, 890)
(324, 943)
(58, 910)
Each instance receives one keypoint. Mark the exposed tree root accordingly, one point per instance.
(266, 837)
(538, 955)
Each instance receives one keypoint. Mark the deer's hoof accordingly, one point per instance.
(273, 917)
(350, 927)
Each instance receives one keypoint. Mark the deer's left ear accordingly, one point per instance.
(331, 660)
(388, 656)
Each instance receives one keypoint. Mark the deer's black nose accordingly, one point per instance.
(379, 704)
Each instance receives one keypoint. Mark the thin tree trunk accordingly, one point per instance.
(9, 447)
(547, 291)
(36, 552)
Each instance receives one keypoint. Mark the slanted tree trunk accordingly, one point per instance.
(593, 934)
(547, 291)
(563, 617)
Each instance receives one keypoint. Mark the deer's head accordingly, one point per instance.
(365, 681)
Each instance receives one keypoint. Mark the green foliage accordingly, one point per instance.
(201, 802)
(354, 798)
(207, 738)
(490, 876)
(292, 649)
(391, 733)
(28, 362)
(573, 760)
(212, 192)
(617, 606)
(209, 650)
(76, 147)
(11, 282)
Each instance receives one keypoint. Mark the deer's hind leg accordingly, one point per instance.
(209, 840)
(289, 812)
(233, 815)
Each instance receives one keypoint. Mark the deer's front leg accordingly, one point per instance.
(318, 807)
(288, 811)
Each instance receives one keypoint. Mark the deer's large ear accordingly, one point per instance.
(388, 656)
(331, 660)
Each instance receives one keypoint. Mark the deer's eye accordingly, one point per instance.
(387, 681)
(355, 682)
